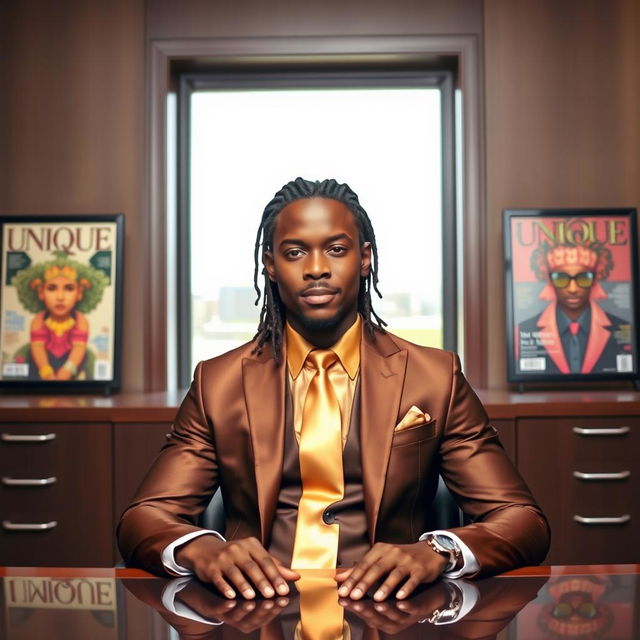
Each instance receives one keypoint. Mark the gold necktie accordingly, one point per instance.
(321, 616)
(316, 543)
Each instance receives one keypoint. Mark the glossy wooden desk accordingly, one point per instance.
(581, 602)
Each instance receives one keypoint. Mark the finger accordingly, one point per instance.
(391, 612)
(407, 607)
(366, 612)
(390, 583)
(379, 568)
(238, 579)
(341, 576)
(287, 573)
(273, 573)
(222, 586)
(249, 556)
(253, 570)
(240, 612)
(408, 587)
(263, 613)
(357, 572)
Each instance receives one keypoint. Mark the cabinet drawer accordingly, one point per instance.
(135, 447)
(584, 474)
(70, 517)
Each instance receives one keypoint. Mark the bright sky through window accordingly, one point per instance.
(385, 143)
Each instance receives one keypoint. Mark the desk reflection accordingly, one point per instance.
(313, 611)
(559, 603)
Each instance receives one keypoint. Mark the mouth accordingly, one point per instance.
(318, 295)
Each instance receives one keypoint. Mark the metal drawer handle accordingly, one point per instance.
(15, 437)
(28, 482)
(603, 431)
(619, 475)
(620, 520)
(24, 526)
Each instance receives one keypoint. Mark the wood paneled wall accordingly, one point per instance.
(562, 102)
(72, 126)
(563, 119)
(247, 18)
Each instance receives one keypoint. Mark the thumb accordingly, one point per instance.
(342, 575)
(286, 572)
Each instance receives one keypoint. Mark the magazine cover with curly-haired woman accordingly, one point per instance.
(60, 299)
(571, 294)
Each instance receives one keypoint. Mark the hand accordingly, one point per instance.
(244, 564)
(63, 374)
(409, 564)
(245, 615)
(396, 615)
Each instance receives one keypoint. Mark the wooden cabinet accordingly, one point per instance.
(55, 494)
(135, 446)
(82, 458)
(507, 431)
(584, 473)
(102, 447)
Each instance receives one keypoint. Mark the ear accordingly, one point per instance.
(269, 265)
(365, 259)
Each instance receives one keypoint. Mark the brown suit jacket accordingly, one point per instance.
(229, 432)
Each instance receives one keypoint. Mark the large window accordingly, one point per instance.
(389, 137)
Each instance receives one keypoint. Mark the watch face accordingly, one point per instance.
(446, 542)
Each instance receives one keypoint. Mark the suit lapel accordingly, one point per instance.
(382, 369)
(548, 323)
(264, 392)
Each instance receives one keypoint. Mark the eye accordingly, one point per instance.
(338, 250)
(293, 253)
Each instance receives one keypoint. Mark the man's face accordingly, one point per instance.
(573, 297)
(317, 262)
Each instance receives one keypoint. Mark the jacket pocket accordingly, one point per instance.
(414, 434)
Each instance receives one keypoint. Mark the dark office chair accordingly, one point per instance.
(444, 512)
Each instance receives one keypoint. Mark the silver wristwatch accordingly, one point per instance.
(447, 547)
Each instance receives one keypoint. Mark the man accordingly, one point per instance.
(573, 334)
(326, 435)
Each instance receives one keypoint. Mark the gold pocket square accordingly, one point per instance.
(413, 418)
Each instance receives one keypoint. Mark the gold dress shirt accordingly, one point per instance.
(343, 373)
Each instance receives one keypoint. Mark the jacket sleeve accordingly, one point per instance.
(508, 529)
(176, 489)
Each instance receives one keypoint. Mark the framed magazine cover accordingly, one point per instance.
(571, 294)
(61, 302)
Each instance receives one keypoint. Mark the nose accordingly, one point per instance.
(572, 286)
(316, 266)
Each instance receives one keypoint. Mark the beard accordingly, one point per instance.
(320, 324)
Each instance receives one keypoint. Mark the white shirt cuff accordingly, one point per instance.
(469, 595)
(469, 563)
(168, 557)
(179, 608)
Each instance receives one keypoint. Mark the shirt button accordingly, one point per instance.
(328, 517)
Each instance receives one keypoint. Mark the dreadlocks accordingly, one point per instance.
(272, 314)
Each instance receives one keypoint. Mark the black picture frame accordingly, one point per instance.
(571, 332)
(61, 302)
